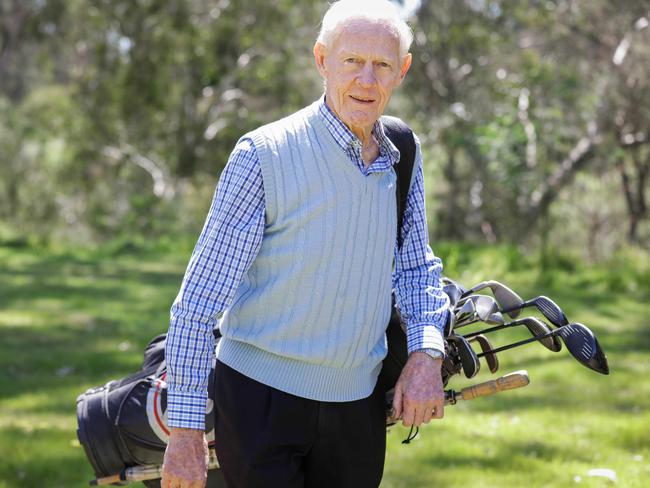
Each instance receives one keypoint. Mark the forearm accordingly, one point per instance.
(420, 298)
(423, 305)
(229, 242)
(189, 355)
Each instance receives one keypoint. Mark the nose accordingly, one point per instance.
(367, 75)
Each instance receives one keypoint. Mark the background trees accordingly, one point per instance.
(116, 116)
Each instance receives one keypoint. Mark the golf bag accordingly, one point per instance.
(124, 423)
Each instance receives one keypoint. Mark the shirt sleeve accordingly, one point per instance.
(420, 299)
(228, 244)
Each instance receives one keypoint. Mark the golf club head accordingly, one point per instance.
(583, 345)
(495, 318)
(538, 328)
(450, 323)
(464, 311)
(486, 310)
(454, 292)
(507, 298)
(484, 305)
(460, 347)
(490, 358)
(448, 281)
(551, 311)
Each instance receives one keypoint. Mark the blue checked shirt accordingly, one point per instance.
(217, 266)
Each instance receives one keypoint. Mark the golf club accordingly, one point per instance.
(506, 382)
(506, 297)
(454, 292)
(460, 348)
(546, 306)
(490, 359)
(578, 339)
(464, 311)
(536, 327)
(145, 472)
(486, 310)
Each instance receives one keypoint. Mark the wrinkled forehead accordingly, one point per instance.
(367, 30)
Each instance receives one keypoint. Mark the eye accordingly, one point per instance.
(383, 64)
(351, 60)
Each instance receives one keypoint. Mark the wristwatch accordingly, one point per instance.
(434, 353)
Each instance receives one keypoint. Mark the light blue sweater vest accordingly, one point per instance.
(309, 316)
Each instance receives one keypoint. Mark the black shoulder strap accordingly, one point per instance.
(402, 136)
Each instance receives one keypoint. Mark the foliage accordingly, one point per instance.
(116, 117)
(75, 319)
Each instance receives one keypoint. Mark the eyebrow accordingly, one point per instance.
(349, 53)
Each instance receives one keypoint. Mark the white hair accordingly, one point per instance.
(375, 10)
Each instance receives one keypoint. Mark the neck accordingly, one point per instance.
(364, 134)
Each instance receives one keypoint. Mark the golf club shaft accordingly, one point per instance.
(520, 343)
(491, 329)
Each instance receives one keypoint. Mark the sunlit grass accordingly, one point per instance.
(74, 320)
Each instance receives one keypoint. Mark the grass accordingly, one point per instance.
(73, 320)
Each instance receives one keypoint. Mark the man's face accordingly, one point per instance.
(361, 68)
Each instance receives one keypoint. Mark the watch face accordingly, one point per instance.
(435, 354)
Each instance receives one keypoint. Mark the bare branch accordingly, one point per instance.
(577, 159)
(161, 187)
(529, 128)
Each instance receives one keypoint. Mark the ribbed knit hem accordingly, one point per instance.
(306, 380)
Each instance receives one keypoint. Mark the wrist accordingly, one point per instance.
(423, 360)
(432, 353)
(185, 432)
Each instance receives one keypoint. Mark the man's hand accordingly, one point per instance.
(186, 459)
(419, 394)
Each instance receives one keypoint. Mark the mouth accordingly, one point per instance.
(363, 100)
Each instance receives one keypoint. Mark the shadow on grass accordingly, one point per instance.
(94, 281)
(490, 459)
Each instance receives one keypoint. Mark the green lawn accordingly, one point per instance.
(72, 320)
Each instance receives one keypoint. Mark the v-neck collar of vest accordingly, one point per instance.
(351, 145)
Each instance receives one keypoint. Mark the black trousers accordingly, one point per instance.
(268, 438)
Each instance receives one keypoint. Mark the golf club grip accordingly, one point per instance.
(108, 480)
(507, 382)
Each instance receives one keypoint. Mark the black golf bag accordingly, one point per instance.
(124, 422)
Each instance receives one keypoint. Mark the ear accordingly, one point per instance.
(320, 51)
(406, 64)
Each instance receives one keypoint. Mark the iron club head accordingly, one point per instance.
(458, 346)
(506, 297)
(490, 359)
(538, 328)
(486, 310)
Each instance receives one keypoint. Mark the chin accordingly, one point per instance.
(363, 120)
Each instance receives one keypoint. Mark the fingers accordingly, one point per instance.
(416, 415)
(397, 401)
(170, 481)
(408, 413)
(427, 414)
(439, 411)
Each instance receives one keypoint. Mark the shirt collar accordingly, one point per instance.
(347, 140)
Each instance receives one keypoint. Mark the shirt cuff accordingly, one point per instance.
(186, 410)
(424, 336)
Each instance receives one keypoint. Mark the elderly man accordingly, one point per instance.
(297, 260)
